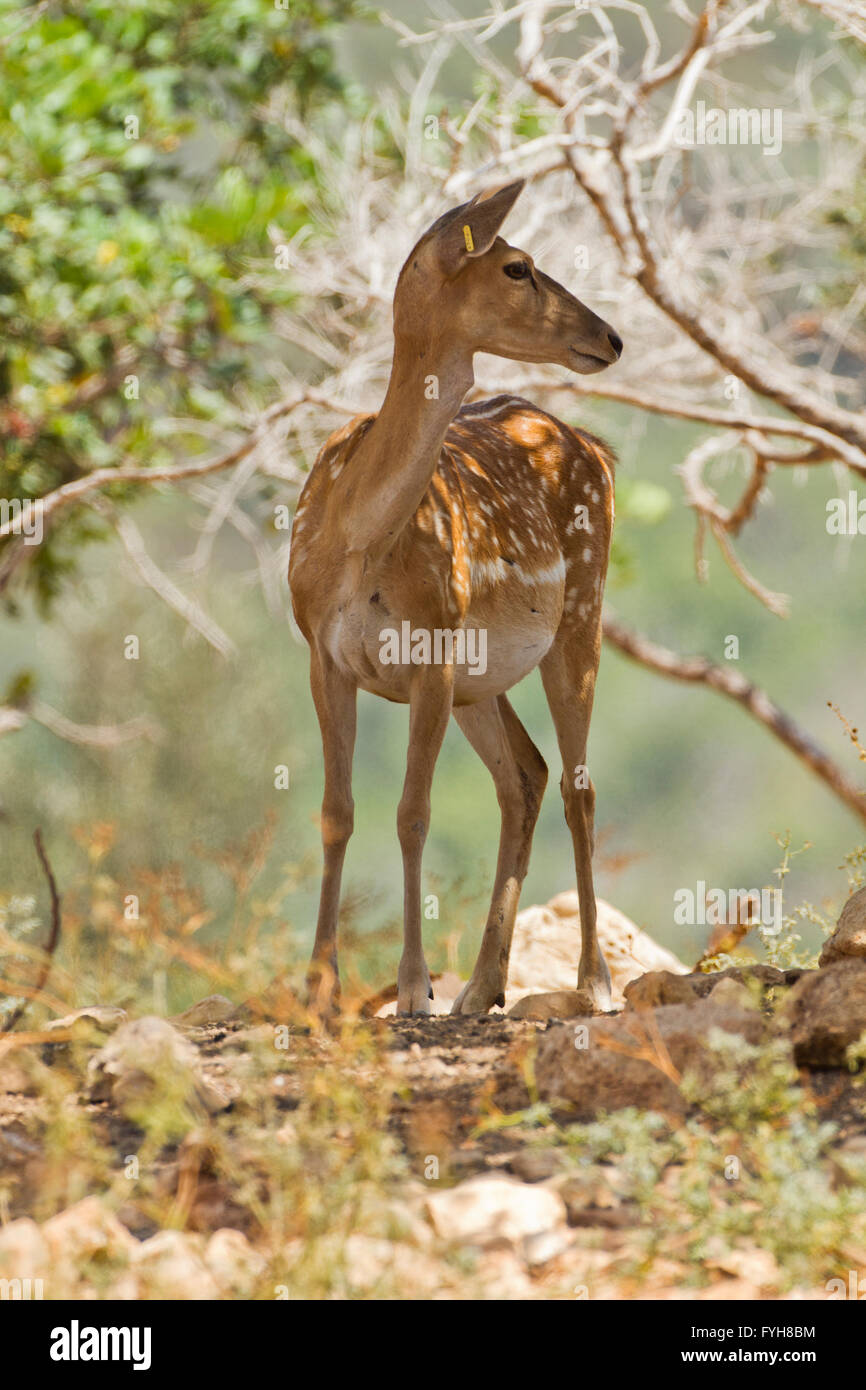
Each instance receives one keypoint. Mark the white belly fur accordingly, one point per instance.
(516, 619)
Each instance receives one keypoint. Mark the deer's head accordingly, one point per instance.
(464, 285)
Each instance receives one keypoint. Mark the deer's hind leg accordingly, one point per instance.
(569, 673)
(520, 776)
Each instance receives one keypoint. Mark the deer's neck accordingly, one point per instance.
(395, 461)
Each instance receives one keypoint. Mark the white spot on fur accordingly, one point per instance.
(487, 572)
(550, 574)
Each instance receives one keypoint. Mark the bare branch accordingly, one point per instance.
(698, 670)
(154, 578)
(847, 14)
(35, 991)
(46, 507)
(721, 520)
(95, 735)
(826, 445)
(90, 735)
(272, 564)
(761, 377)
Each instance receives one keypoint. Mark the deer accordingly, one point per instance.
(433, 516)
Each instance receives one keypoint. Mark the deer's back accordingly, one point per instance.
(517, 516)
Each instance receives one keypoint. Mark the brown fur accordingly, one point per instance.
(491, 518)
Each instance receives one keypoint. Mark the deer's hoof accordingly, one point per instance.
(323, 994)
(598, 988)
(413, 996)
(418, 1002)
(477, 999)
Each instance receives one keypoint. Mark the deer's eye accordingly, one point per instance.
(517, 270)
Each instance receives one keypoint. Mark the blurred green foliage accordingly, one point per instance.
(144, 158)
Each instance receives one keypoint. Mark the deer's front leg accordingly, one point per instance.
(429, 712)
(335, 699)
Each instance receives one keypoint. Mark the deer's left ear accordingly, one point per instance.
(472, 229)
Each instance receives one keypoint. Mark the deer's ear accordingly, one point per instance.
(472, 229)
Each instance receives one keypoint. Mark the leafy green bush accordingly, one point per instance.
(144, 160)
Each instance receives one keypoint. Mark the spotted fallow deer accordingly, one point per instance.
(434, 517)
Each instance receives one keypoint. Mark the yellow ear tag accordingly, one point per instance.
(467, 237)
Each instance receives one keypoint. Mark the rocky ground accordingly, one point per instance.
(707, 1141)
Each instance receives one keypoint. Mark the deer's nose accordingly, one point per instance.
(615, 341)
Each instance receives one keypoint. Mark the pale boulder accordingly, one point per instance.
(24, 1251)
(232, 1261)
(96, 1018)
(387, 1267)
(171, 1265)
(545, 951)
(85, 1233)
(490, 1209)
(545, 954)
(148, 1062)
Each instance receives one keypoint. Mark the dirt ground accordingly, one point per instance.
(456, 1086)
(449, 1074)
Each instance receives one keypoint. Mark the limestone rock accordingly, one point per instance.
(849, 938)
(827, 1012)
(758, 1267)
(83, 1233)
(147, 1061)
(618, 1062)
(546, 1246)
(24, 1252)
(372, 1262)
(545, 950)
(557, 1003)
(545, 954)
(584, 1193)
(172, 1265)
(660, 987)
(96, 1018)
(214, 1009)
(535, 1165)
(502, 1275)
(492, 1208)
(232, 1261)
(733, 994)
